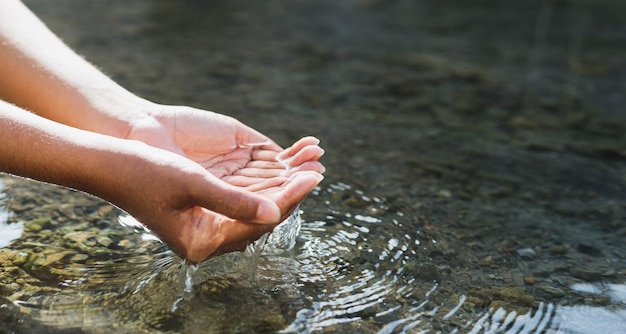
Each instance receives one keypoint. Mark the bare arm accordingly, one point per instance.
(41, 74)
(173, 195)
(204, 182)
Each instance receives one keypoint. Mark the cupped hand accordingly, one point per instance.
(224, 146)
(254, 184)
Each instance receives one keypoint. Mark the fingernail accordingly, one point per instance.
(268, 212)
(320, 177)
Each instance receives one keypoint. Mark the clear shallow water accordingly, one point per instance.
(491, 132)
(358, 265)
(8, 232)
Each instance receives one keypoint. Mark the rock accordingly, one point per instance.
(589, 250)
(53, 258)
(557, 249)
(552, 291)
(104, 241)
(526, 253)
(587, 274)
(424, 271)
(79, 257)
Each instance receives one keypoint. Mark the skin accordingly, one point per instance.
(204, 182)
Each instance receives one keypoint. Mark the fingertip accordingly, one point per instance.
(310, 140)
(300, 184)
(299, 145)
(267, 213)
(305, 154)
(317, 176)
(306, 179)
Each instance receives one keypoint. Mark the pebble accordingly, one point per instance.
(552, 291)
(426, 272)
(557, 249)
(526, 253)
(587, 274)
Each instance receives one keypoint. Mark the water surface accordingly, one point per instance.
(475, 170)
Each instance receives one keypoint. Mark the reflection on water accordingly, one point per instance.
(359, 264)
(8, 232)
(553, 319)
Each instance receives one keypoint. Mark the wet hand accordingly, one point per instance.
(255, 183)
(223, 145)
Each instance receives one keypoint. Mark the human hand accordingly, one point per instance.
(177, 199)
(222, 144)
(220, 175)
(245, 162)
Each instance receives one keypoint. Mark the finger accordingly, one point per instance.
(231, 201)
(264, 155)
(215, 234)
(246, 181)
(267, 184)
(307, 153)
(265, 146)
(295, 190)
(259, 172)
(242, 181)
(268, 144)
(272, 147)
(265, 164)
(297, 146)
(238, 235)
(311, 166)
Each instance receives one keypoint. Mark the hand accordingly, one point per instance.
(197, 199)
(222, 144)
(242, 159)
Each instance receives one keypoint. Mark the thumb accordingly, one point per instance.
(237, 203)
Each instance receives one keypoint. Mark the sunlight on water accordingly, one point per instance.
(8, 232)
(553, 319)
(346, 262)
(353, 258)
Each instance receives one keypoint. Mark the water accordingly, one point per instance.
(8, 232)
(334, 275)
(475, 171)
(358, 264)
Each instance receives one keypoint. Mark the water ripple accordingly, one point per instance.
(357, 264)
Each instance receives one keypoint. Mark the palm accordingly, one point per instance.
(228, 149)
(238, 156)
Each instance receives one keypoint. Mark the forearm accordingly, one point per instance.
(47, 151)
(172, 195)
(40, 73)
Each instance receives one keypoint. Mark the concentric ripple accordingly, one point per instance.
(347, 262)
(357, 256)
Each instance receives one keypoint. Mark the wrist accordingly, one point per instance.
(112, 112)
